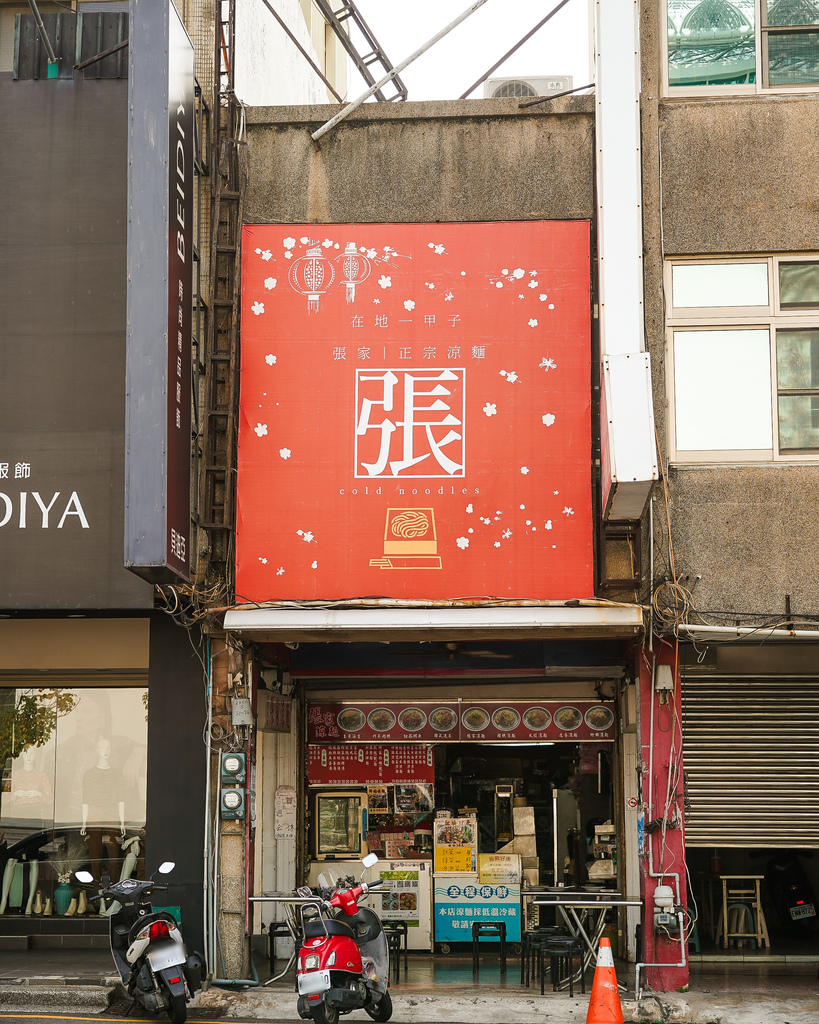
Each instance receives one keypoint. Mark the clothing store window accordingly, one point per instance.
(74, 774)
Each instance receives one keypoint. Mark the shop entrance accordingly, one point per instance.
(473, 806)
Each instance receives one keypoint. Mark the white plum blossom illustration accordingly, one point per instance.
(548, 419)
(567, 511)
(270, 283)
(528, 522)
(551, 305)
(533, 284)
(510, 376)
(548, 524)
(490, 409)
(376, 302)
(543, 296)
(258, 307)
(499, 284)
(314, 565)
(327, 243)
(270, 359)
(409, 304)
(547, 364)
(266, 254)
(304, 240)
(521, 296)
(439, 249)
(280, 571)
(505, 271)
(449, 297)
(470, 530)
(285, 453)
(521, 507)
(462, 542)
(469, 508)
(336, 246)
(533, 322)
(556, 492)
(499, 512)
(506, 534)
(518, 273)
(385, 282)
(288, 243)
(497, 543)
(371, 254)
(288, 255)
(262, 560)
(305, 535)
(524, 470)
(463, 273)
(260, 429)
(532, 273)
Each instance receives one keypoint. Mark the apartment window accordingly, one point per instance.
(743, 359)
(741, 45)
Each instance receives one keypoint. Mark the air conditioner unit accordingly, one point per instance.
(494, 88)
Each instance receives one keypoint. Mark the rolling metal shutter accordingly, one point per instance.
(751, 760)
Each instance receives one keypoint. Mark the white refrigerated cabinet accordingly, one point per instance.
(408, 878)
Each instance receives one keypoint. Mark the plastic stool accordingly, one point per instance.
(561, 953)
(400, 928)
(694, 938)
(530, 958)
(488, 928)
(394, 942)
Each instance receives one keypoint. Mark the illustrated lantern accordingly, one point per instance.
(311, 275)
(355, 268)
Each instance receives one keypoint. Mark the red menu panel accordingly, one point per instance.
(369, 765)
(460, 721)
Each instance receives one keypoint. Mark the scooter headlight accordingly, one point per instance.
(311, 962)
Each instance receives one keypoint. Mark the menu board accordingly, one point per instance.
(455, 843)
(361, 765)
(460, 721)
(402, 902)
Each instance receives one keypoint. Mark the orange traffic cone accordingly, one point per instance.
(604, 1006)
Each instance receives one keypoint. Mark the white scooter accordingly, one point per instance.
(147, 946)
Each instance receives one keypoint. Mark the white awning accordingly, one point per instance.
(474, 623)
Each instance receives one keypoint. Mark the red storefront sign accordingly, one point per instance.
(351, 765)
(461, 721)
(415, 412)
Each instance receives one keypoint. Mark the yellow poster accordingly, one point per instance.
(454, 858)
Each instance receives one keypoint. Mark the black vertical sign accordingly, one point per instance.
(160, 293)
(180, 294)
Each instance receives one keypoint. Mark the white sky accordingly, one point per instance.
(446, 70)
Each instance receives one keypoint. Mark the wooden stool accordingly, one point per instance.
(745, 889)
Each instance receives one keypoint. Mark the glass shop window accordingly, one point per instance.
(713, 44)
(73, 775)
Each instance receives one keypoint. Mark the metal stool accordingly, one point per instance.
(530, 959)
(488, 928)
(400, 927)
(394, 942)
(561, 953)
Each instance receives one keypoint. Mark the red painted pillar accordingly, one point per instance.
(663, 854)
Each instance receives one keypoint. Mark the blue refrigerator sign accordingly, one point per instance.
(461, 900)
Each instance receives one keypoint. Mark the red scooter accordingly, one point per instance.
(344, 960)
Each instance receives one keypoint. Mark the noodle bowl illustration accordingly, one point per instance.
(410, 523)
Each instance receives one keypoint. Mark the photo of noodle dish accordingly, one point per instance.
(351, 719)
(443, 719)
(412, 719)
(599, 718)
(568, 718)
(475, 719)
(381, 720)
(536, 719)
(505, 719)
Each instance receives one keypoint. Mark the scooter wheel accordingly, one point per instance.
(382, 1010)
(324, 1014)
(178, 1009)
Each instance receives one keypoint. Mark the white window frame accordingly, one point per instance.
(771, 318)
(751, 89)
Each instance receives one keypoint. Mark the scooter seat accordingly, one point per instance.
(316, 929)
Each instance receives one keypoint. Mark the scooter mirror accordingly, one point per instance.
(369, 860)
(84, 876)
(166, 867)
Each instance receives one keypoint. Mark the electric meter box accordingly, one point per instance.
(232, 804)
(234, 769)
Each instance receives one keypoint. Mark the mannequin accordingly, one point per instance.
(103, 808)
(29, 801)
